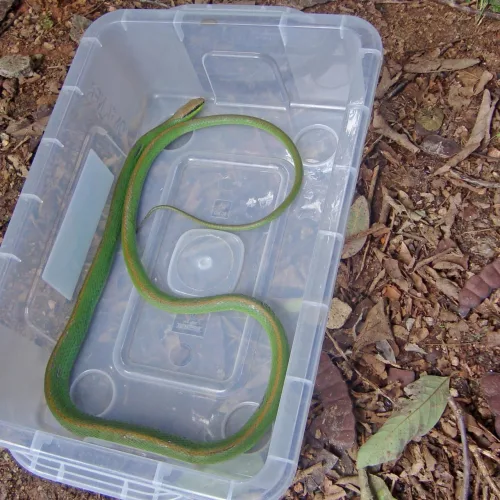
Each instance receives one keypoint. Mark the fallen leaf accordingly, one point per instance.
(359, 221)
(339, 313)
(375, 328)
(392, 268)
(430, 461)
(335, 425)
(404, 377)
(386, 350)
(382, 127)
(380, 490)
(405, 256)
(414, 348)
(449, 429)
(483, 81)
(429, 119)
(490, 385)
(444, 285)
(416, 416)
(386, 82)
(479, 287)
(477, 135)
(424, 65)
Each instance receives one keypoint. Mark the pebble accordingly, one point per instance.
(48, 46)
(14, 66)
(338, 315)
(78, 26)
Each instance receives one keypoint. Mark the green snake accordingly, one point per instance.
(122, 223)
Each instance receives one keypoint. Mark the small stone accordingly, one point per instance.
(338, 315)
(14, 66)
(5, 6)
(405, 377)
(455, 361)
(48, 46)
(440, 146)
(78, 26)
(482, 249)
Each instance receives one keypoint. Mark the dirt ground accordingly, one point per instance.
(434, 223)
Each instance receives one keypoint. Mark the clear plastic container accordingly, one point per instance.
(198, 376)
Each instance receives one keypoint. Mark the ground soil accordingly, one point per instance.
(454, 212)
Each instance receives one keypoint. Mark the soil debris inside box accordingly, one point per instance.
(430, 178)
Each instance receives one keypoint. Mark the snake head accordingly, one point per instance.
(189, 109)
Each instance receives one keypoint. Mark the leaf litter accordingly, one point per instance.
(420, 213)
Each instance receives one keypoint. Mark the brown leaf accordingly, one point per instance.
(425, 65)
(477, 135)
(392, 268)
(490, 385)
(29, 129)
(405, 256)
(404, 377)
(375, 328)
(430, 461)
(335, 425)
(386, 82)
(479, 287)
(382, 127)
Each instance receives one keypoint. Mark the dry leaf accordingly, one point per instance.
(386, 82)
(405, 256)
(424, 65)
(335, 425)
(375, 328)
(414, 348)
(490, 385)
(476, 136)
(479, 287)
(430, 461)
(382, 127)
(392, 268)
(358, 222)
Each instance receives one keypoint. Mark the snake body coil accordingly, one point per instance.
(122, 221)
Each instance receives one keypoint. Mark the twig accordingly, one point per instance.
(484, 471)
(432, 258)
(302, 474)
(374, 229)
(460, 418)
(377, 389)
(363, 262)
(469, 10)
(489, 454)
(373, 184)
(477, 182)
(399, 87)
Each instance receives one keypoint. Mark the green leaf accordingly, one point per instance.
(416, 417)
(379, 488)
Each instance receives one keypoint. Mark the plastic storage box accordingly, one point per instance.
(201, 376)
